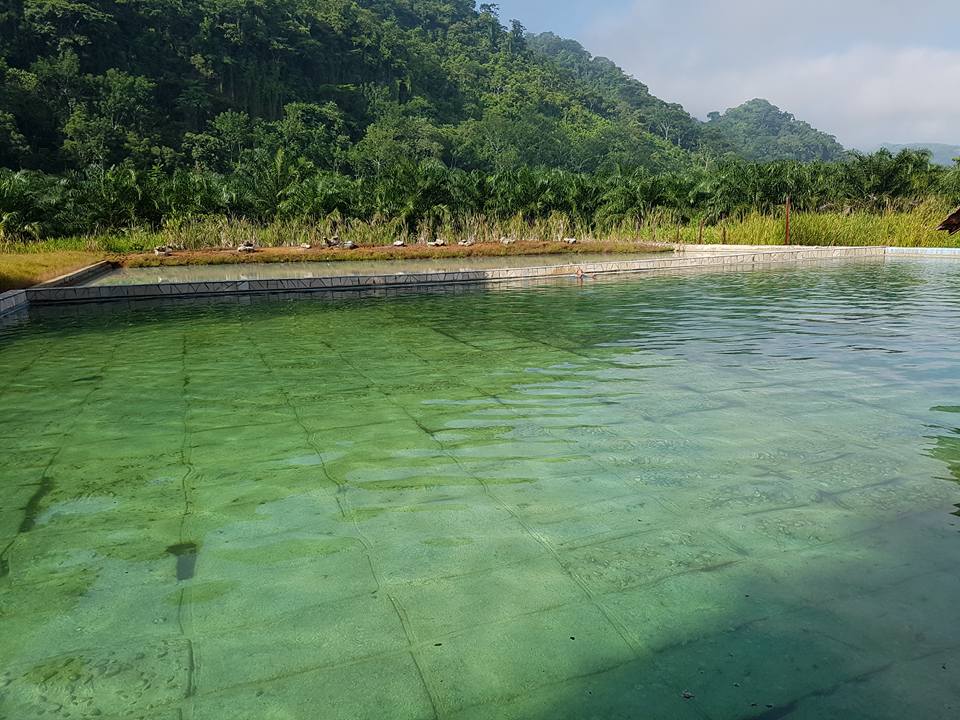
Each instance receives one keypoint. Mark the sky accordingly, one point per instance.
(867, 71)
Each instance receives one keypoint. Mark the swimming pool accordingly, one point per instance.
(706, 496)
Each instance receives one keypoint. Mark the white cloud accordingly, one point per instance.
(868, 72)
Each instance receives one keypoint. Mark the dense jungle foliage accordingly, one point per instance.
(762, 132)
(416, 114)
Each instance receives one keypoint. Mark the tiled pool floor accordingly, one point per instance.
(717, 496)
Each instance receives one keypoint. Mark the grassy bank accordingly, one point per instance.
(23, 269)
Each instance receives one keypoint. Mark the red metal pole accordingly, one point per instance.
(788, 221)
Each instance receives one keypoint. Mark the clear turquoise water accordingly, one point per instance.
(554, 502)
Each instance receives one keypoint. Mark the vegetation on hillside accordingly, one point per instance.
(762, 132)
(428, 199)
(342, 84)
(383, 118)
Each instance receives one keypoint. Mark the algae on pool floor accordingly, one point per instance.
(722, 496)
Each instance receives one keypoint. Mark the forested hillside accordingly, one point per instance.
(760, 131)
(341, 83)
(409, 116)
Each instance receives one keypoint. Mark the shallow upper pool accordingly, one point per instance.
(270, 271)
(706, 496)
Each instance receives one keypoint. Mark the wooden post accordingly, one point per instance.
(700, 233)
(724, 233)
(787, 242)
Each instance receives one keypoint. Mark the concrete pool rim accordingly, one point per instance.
(68, 290)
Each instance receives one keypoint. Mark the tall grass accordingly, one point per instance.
(914, 228)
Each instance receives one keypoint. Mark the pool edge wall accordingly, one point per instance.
(61, 290)
(81, 276)
(13, 301)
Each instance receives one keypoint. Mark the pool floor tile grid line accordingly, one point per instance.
(44, 484)
(944, 567)
(589, 594)
(528, 529)
(658, 683)
(260, 682)
(610, 539)
(431, 685)
(662, 682)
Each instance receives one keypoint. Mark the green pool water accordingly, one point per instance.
(702, 496)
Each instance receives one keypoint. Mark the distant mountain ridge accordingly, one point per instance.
(756, 130)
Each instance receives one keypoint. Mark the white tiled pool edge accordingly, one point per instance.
(690, 257)
(923, 252)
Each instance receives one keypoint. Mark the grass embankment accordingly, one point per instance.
(23, 269)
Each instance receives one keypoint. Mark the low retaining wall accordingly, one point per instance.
(45, 295)
(923, 252)
(13, 301)
(79, 277)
